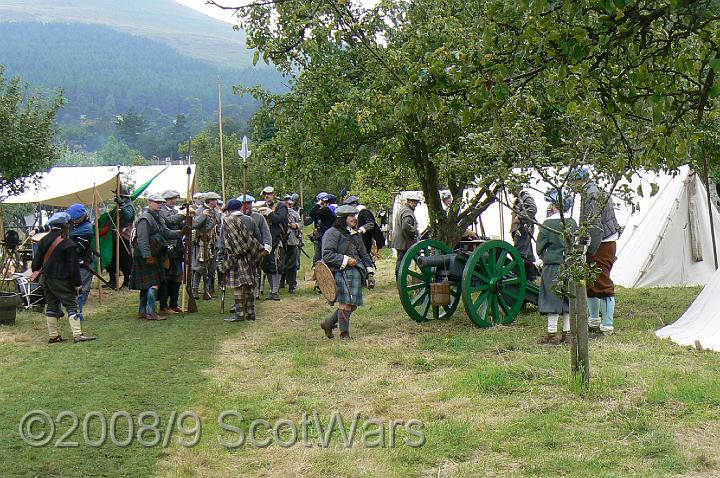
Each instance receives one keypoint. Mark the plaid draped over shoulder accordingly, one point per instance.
(242, 253)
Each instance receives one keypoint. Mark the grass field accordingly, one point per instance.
(492, 402)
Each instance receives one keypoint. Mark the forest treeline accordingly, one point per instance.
(106, 75)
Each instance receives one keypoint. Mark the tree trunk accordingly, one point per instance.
(579, 349)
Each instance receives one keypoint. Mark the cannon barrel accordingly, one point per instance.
(442, 261)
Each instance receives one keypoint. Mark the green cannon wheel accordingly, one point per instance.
(493, 284)
(413, 283)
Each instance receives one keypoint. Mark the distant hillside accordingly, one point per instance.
(187, 31)
(104, 72)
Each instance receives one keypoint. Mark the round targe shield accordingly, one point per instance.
(326, 281)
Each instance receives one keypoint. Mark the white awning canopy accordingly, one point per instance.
(64, 186)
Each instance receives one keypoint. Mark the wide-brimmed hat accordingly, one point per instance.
(268, 190)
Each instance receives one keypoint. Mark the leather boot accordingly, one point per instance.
(327, 326)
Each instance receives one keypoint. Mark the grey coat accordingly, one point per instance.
(262, 225)
(405, 231)
(151, 228)
(339, 244)
(596, 209)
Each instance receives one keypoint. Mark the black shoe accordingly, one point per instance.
(250, 317)
(55, 340)
(293, 290)
(274, 296)
(232, 309)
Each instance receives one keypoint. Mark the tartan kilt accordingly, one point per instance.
(349, 286)
(243, 273)
(144, 275)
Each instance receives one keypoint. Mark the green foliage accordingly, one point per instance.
(27, 126)
(470, 93)
(116, 151)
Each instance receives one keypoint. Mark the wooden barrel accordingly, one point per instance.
(8, 307)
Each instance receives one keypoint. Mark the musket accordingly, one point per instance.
(102, 279)
(302, 249)
(191, 305)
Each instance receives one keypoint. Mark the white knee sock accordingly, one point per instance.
(75, 325)
(52, 325)
(552, 323)
(566, 322)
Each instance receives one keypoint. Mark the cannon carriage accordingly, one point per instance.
(488, 276)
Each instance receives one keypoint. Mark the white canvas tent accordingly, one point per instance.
(670, 243)
(63, 186)
(700, 324)
(496, 220)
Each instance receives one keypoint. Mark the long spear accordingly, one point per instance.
(222, 153)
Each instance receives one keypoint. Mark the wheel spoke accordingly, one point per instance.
(482, 299)
(500, 262)
(436, 312)
(427, 307)
(506, 270)
(505, 307)
(416, 275)
(495, 310)
(511, 281)
(479, 275)
(417, 285)
(480, 287)
(418, 298)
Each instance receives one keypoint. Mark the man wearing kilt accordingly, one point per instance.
(150, 246)
(240, 254)
(344, 253)
(169, 293)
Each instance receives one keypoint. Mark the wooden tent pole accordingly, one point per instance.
(97, 239)
(710, 208)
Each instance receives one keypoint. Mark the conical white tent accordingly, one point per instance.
(700, 324)
(670, 244)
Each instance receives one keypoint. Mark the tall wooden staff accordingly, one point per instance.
(97, 240)
(117, 226)
(222, 153)
(191, 305)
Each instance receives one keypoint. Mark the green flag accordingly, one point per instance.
(105, 222)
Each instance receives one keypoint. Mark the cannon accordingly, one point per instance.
(487, 276)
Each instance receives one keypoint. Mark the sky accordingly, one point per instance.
(211, 10)
(226, 15)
